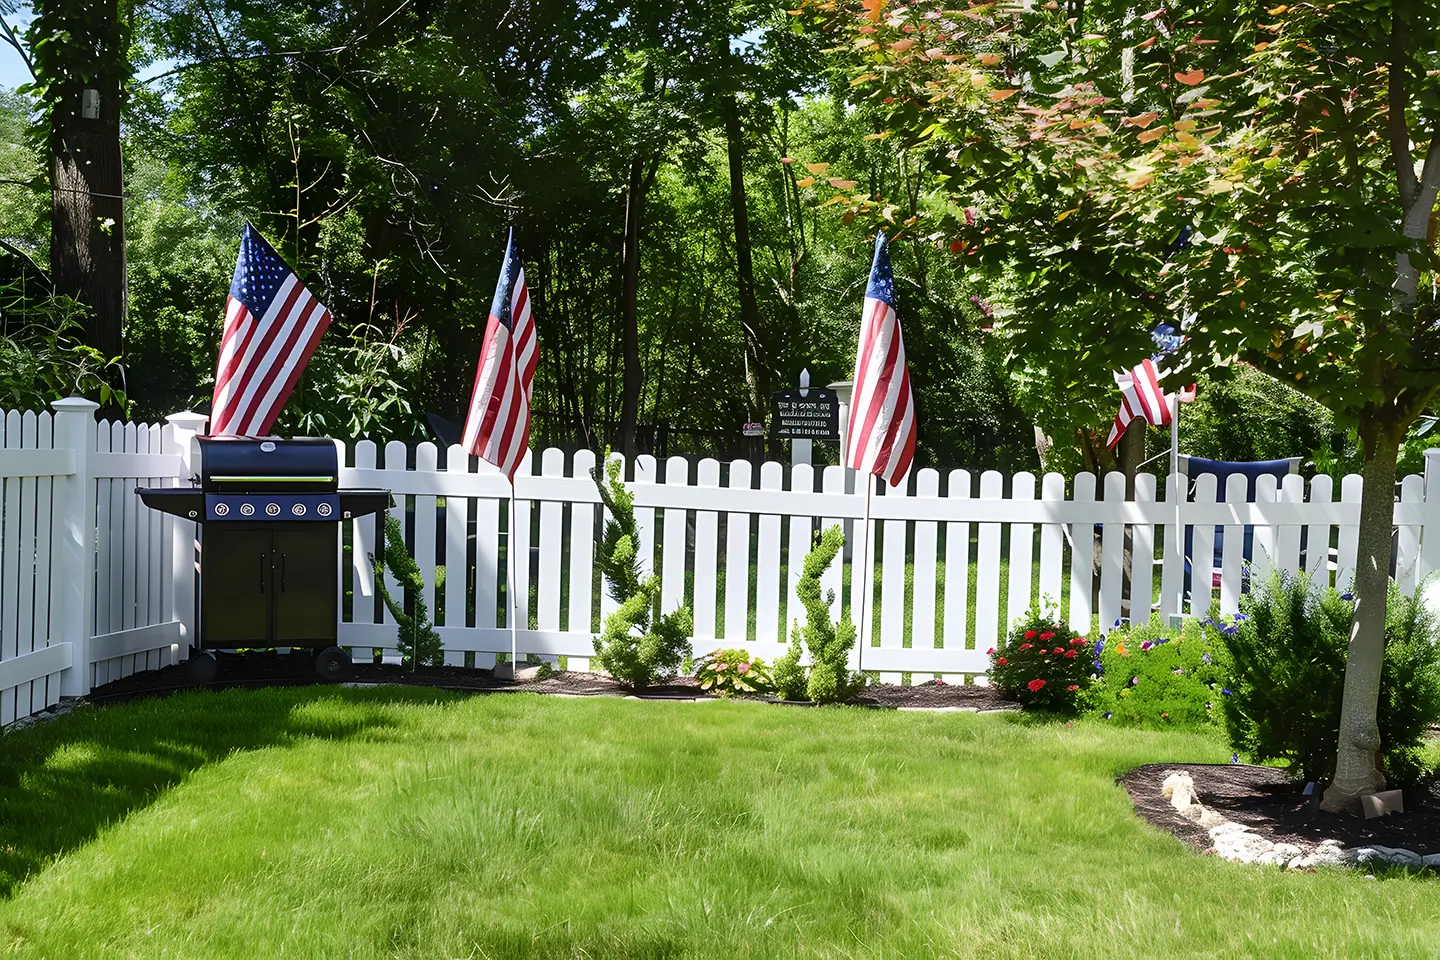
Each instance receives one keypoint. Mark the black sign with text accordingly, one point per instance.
(805, 415)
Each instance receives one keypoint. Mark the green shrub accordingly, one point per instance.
(1152, 676)
(416, 639)
(636, 647)
(1045, 664)
(728, 672)
(829, 679)
(1288, 647)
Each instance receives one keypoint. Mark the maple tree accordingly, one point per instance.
(1294, 148)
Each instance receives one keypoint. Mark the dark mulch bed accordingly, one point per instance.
(1265, 800)
(267, 669)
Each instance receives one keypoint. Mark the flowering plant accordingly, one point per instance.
(1044, 663)
(1153, 675)
(728, 672)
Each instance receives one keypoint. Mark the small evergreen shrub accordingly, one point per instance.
(417, 640)
(1152, 676)
(728, 672)
(636, 646)
(1288, 647)
(1044, 665)
(829, 679)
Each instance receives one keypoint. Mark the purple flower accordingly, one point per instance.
(1205, 658)
(1108, 714)
(1225, 690)
(1347, 596)
(1241, 617)
(1099, 668)
(1134, 680)
(1234, 758)
(1178, 670)
(1146, 645)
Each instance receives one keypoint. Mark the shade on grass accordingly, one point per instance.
(366, 823)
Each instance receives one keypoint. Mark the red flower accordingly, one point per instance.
(1073, 687)
(1029, 634)
(1035, 684)
(1001, 662)
(1076, 641)
(1069, 654)
(1025, 646)
(1048, 635)
(1059, 649)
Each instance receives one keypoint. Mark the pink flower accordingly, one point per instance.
(1146, 645)
(991, 650)
(1073, 687)
(1035, 684)
(744, 668)
(1059, 649)
(1069, 654)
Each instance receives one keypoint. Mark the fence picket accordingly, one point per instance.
(737, 563)
(922, 607)
(1082, 557)
(11, 561)
(674, 543)
(987, 568)
(1112, 556)
(798, 538)
(1287, 536)
(1022, 552)
(582, 557)
(957, 568)
(47, 693)
(1172, 561)
(1317, 535)
(490, 570)
(1142, 556)
(707, 522)
(24, 552)
(1407, 546)
(552, 516)
(767, 562)
(457, 552)
(832, 481)
(1052, 542)
(1350, 489)
(1262, 554)
(892, 583)
(1202, 554)
(1233, 549)
(522, 538)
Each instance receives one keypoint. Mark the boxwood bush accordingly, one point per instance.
(1288, 646)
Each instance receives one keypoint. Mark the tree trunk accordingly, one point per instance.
(1357, 762)
(757, 369)
(87, 226)
(629, 308)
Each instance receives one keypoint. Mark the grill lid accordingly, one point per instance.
(236, 464)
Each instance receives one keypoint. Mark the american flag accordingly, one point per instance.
(272, 326)
(497, 427)
(1141, 396)
(881, 436)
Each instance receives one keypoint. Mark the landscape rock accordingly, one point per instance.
(1243, 847)
(1433, 860)
(1179, 789)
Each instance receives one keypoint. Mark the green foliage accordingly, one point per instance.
(829, 679)
(42, 357)
(416, 639)
(728, 672)
(1045, 664)
(1152, 676)
(636, 647)
(1288, 647)
(789, 675)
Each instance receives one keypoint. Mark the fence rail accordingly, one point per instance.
(95, 586)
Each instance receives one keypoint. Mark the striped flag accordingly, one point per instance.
(497, 428)
(881, 436)
(1141, 396)
(272, 326)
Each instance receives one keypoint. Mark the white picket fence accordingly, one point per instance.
(95, 586)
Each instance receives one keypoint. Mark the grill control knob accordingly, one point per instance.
(222, 509)
(298, 509)
(272, 509)
(324, 509)
(247, 509)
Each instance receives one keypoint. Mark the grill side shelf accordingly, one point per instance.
(185, 502)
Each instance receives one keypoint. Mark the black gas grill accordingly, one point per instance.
(270, 550)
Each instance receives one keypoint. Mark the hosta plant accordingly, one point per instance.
(728, 672)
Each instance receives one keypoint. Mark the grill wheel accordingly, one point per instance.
(333, 664)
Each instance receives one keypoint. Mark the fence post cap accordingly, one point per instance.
(74, 405)
(187, 418)
(1432, 452)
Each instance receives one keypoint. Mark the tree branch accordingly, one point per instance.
(14, 41)
(1395, 125)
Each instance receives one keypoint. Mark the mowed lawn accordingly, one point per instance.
(328, 822)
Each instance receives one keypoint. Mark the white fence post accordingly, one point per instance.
(74, 541)
(1430, 528)
(185, 427)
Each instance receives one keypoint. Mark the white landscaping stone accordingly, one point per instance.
(1211, 819)
(1243, 847)
(1175, 781)
(1228, 827)
(1432, 860)
(1327, 855)
(1299, 863)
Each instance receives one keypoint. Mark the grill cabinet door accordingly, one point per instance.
(235, 585)
(306, 564)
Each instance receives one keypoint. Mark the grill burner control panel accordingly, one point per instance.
(273, 506)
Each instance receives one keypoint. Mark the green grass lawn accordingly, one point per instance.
(328, 822)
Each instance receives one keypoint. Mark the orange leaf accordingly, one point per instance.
(873, 9)
(1002, 94)
(805, 183)
(990, 59)
(1155, 134)
(1146, 43)
(902, 45)
(817, 167)
(1144, 120)
(842, 184)
(1192, 78)
(1261, 46)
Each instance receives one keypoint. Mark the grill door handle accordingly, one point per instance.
(282, 573)
(262, 573)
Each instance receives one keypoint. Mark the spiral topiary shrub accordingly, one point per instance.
(417, 640)
(635, 646)
(829, 679)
